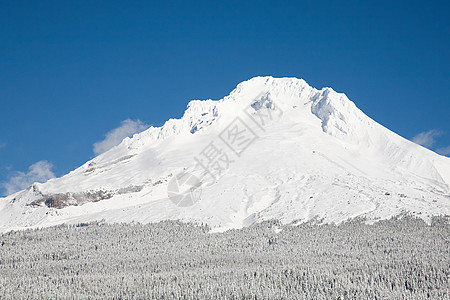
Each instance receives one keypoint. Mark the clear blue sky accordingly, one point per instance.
(70, 71)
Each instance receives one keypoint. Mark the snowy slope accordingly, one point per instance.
(278, 148)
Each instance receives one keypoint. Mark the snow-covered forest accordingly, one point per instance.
(402, 258)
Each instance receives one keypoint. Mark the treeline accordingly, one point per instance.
(401, 258)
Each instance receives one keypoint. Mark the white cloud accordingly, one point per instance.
(426, 138)
(113, 138)
(2, 145)
(37, 172)
(444, 151)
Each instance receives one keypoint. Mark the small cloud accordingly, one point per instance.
(2, 145)
(37, 172)
(113, 138)
(427, 138)
(444, 151)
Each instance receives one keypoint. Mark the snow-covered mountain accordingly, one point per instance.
(274, 148)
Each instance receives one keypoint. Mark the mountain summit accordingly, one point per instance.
(274, 148)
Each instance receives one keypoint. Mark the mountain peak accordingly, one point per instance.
(315, 154)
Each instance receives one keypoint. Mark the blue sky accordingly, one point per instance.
(73, 71)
